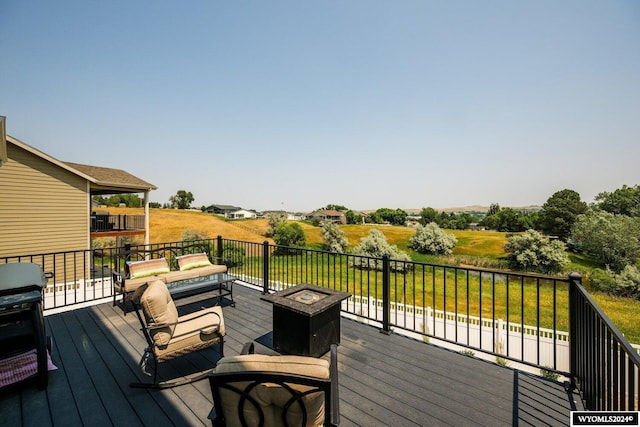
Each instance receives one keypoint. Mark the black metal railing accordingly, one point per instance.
(105, 223)
(548, 323)
(509, 316)
(604, 366)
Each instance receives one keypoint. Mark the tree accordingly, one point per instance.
(289, 234)
(181, 200)
(274, 220)
(610, 238)
(532, 251)
(373, 247)
(494, 208)
(395, 217)
(353, 218)
(430, 239)
(334, 238)
(331, 207)
(623, 201)
(129, 200)
(428, 215)
(508, 219)
(559, 213)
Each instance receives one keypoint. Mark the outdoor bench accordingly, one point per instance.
(194, 274)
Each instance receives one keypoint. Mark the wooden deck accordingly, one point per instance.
(384, 380)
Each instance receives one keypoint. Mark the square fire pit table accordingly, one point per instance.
(306, 319)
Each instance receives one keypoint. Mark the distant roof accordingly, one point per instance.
(328, 212)
(224, 207)
(107, 180)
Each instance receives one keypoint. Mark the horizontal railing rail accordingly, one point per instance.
(104, 223)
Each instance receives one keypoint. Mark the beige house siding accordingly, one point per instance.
(43, 207)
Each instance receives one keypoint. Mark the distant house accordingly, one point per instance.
(476, 227)
(222, 209)
(241, 214)
(45, 203)
(290, 216)
(334, 216)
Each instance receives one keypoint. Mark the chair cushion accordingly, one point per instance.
(187, 262)
(194, 331)
(159, 309)
(272, 397)
(150, 267)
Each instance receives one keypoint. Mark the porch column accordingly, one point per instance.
(146, 217)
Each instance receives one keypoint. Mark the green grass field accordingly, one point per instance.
(474, 248)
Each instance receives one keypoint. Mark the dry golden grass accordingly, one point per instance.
(167, 225)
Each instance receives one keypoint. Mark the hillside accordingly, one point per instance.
(167, 225)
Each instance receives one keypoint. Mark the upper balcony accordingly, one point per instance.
(102, 224)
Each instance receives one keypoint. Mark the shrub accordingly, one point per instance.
(613, 239)
(624, 284)
(602, 280)
(376, 246)
(334, 238)
(103, 242)
(287, 234)
(190, 234)
(431, 239)
(532, 251)
(232, 254)
(274, 219)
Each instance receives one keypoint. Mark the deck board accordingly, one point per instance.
(384, 379)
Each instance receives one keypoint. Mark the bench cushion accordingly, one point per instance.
(150, 267)
(190, 261)
(174, 276)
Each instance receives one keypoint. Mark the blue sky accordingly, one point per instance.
(364, 103)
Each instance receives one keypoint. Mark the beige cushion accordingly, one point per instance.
(150, 267)
(131, 285)
(187, 262)
(159, 309)
(194, 273)
(195, 330)
(272, 397)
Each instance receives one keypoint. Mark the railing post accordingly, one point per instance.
(219, 249)
(574, 280)
(386, 295)
(265, 267)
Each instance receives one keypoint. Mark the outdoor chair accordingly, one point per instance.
(169, 336)
(256, 390)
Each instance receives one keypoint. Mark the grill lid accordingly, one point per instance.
(21, 274)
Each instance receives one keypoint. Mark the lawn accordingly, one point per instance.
(167, 225)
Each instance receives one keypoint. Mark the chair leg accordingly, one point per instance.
(175, 382)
